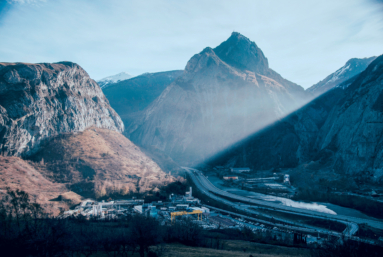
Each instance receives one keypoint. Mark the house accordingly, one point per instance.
(230, 177)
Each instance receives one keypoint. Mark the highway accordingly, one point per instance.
(206, 187)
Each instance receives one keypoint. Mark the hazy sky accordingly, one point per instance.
(304, 40)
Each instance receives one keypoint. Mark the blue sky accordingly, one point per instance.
(303, 40)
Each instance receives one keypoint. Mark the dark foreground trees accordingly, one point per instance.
(26, 231)
(348, 249)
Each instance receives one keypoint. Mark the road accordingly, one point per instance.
(206, 187)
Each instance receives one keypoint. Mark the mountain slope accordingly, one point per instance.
(353, 67)
(224, 95)
(105, 82)
(38, 101)
(98, 162)
(340, 132)
(16, 173)
(131, 96)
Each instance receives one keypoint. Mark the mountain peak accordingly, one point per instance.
(113, 79)
(239, 52)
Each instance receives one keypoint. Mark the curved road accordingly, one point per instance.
(208, 188)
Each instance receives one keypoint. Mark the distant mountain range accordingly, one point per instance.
(352, 68)
(223, 95)
(114, 79)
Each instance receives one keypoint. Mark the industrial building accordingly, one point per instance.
(178, 207)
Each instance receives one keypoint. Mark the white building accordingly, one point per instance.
(240, 170)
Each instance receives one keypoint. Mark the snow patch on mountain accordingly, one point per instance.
(114, 79)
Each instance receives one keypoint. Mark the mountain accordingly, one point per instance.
(105, 82)
(60, 139)
(338, 136)
(223, 95)
(131, 96)
(352, 68)
(38, 101)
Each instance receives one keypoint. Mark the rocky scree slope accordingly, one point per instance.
(340, 132)
(223, 95)
(38, 101)
(352, 68)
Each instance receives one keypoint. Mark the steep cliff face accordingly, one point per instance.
(38, 101)
(352, 68)
(223, 95)
(354, 129)
(340, 131)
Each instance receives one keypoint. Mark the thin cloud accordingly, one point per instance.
(25, 1)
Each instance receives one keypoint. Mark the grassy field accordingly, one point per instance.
(235, 248)
(231, 248)
(185, 251)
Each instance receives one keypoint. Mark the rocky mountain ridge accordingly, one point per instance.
(38, 101)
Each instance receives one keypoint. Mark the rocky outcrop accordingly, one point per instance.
(341, 132)
(39, 101)
(352, 68)
(223, 95)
